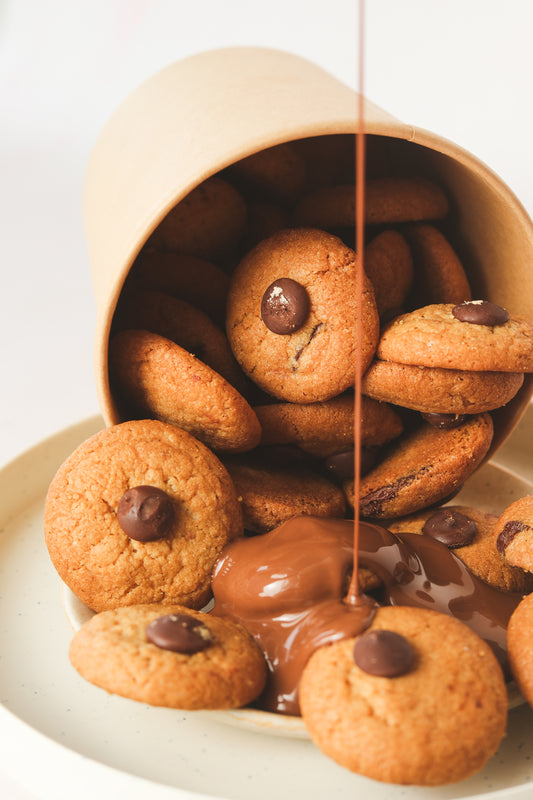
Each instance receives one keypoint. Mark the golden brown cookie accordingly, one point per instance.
(183, 324)
(437, 723)
(277, 173)
(290, 316)
(389, 266)
(514, 531)
(387, 200)
(191, 506)
(480, 555)
(213, 663)
(423, 467)
(433, 337)
(520, 646)
(271, 493)
(194, 280)
(437, 390)
(157, 378)
(208, 223)
(440, 275)
(328, 427)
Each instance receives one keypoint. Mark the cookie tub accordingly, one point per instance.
(197, 117)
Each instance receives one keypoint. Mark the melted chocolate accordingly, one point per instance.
(288, 586)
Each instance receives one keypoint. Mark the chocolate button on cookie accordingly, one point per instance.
(433, 336)
(154, 377)
(168, 655)
(139, 514)
(417, 699)
(311, 357)
(423, 468)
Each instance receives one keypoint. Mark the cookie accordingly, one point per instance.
(198, 282)
(154, 377)
(423, 468)
(290, 316)
(273, 493)
(437, 390)
(479, 553)
(327, 427)
(101, 520)
(277, 173)
(168, 655)
(208, 223)
(183, 324)
(389, 266)
(440, 275)
(437, 722)
(520, 646)
(514, 530)
(433, 336)
(387, 200)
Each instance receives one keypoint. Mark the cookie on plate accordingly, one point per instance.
(290, 316)
(152, 376)
(514, 530)
(139, 514)
(418, 698)
(472, 534)
(168, 655)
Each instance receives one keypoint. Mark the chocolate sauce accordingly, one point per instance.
(288, 588)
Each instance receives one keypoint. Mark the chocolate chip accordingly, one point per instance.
(341, 464)
(145, 513)
(180, 633)
(510, 529)
(385, 654)
(445, 421)
(285, 306)
(480, 312)
(450, 527)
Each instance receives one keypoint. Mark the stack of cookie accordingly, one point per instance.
(232, 362)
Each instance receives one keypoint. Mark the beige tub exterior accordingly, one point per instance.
(206, 112)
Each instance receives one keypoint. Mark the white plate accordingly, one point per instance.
(62, 737)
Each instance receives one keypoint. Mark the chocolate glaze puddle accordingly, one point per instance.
(287, 588)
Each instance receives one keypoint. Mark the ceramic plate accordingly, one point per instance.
(62, 737)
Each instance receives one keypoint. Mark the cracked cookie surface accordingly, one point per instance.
(316, 361)
(93, 555)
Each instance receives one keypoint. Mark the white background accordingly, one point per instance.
(461, 68)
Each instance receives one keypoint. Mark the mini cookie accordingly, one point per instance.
(328, 427)
(120, 490)
(168, 655)
(480, 555)
(183, 324)
(423, 468)
(389, 266)
(208, 223)
(387, 200)
(194, 280)
(277, 173)
(441, 391)
(271, 494)
(514, 530)
(520, 646)
(440, 276)
(436, 720)
(290, 316)
(155, 377)
(434, 336)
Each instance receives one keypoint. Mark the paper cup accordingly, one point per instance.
(208, 111)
